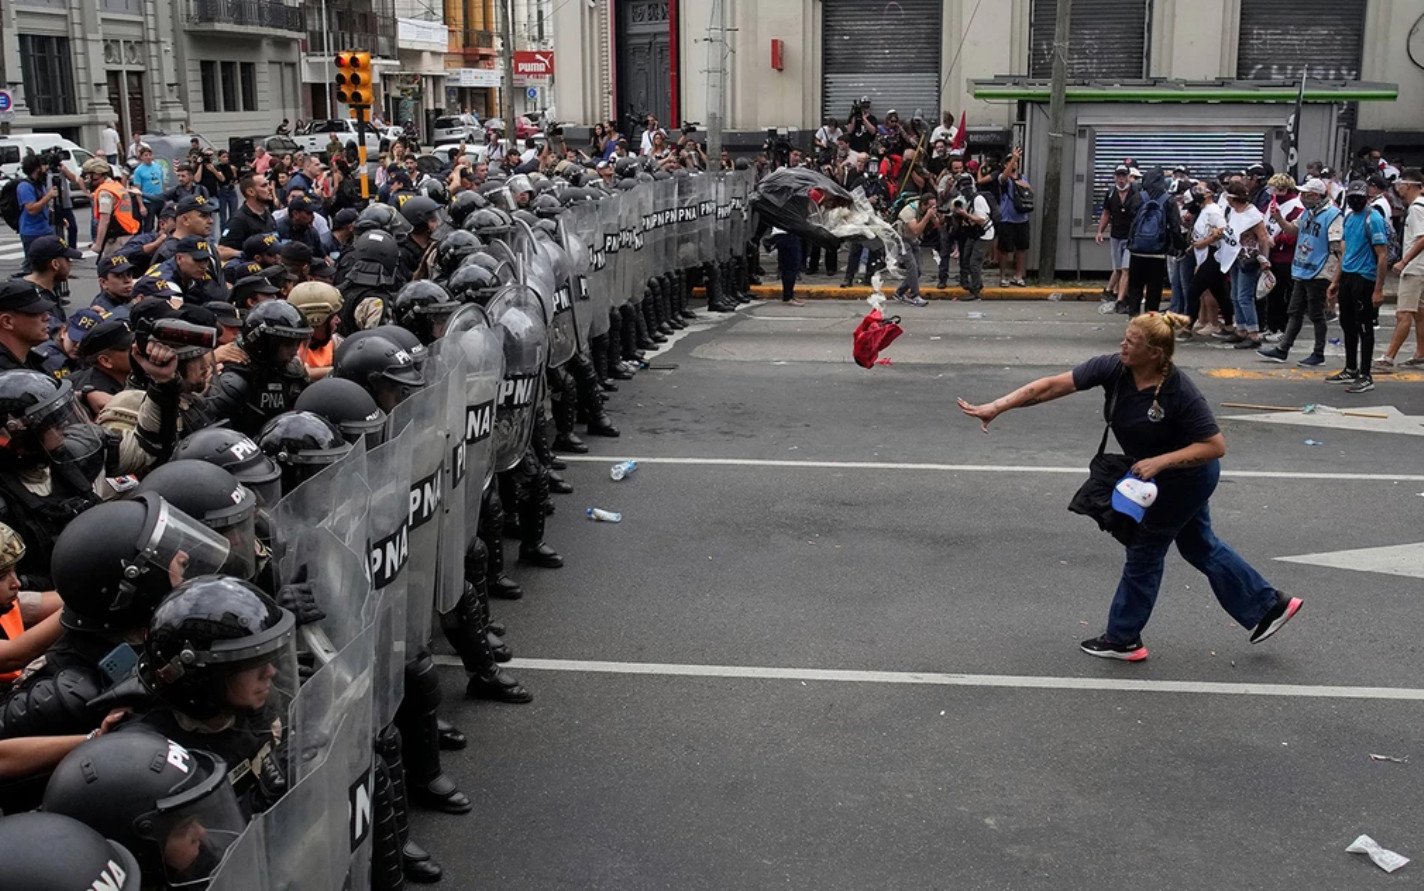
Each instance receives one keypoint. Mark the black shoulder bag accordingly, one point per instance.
(1094, 498)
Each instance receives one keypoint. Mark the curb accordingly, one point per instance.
(834, 292)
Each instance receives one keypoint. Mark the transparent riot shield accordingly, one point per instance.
(621, 250)
(660, 228)
(453, 535)
(721, 216)
(427, 413)
(388, 468)
(707, 218)
(483, 347)
(519, 315)
(688, 249)
(742, 230)
(644, 263)
(563, 324)
(337, 499)
(578, 227)
(603, 282)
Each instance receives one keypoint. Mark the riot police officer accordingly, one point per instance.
(369, 272)
(247, 394)
(302, 444)
(52, 852)
(422, 307)
(347, 405)
(239, 455)
(384, 368)
(423, 215)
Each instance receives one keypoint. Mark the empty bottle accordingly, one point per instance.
(622, 469)
(604, 516)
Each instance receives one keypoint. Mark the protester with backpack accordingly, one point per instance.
(1156, 232)
(28, 205)
(1015, 205)
(975, 216)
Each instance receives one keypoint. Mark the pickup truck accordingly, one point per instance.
(316, 135)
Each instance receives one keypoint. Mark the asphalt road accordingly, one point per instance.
(846, 655)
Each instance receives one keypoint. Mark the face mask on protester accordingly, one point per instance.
(1357, 203)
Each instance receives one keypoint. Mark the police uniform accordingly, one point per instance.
(245, 224)
(18, 295)
(195, 290)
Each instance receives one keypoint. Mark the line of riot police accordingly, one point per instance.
(225, 676)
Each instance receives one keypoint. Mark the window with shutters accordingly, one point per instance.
(1107, 39)
(1325, 38)
(889, 52)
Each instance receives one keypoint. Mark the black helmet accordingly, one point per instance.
(347, 405)
(52, 852)
(114, 562)
(627, 167)
(172, 807)
(434, 189)
(375, 256)
(627, 184)
(379, 364)
(237, 454)
(547, 226)
(203, 633)
(32, 403)
(271, 321)
(487, 223)
(215, 498)
(526, 217)
(464, 204)
(421, 308)
(474, 283)
(302, 443)
(453, 248)
(419, 211)
(382, 217)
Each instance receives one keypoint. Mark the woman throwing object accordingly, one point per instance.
(1160, 418)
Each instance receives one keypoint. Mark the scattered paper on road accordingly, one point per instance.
(1384, 858)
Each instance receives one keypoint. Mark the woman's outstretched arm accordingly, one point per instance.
(1045, 389)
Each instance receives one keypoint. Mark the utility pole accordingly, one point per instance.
(1052, 186)
(510, 130)
(718, 48)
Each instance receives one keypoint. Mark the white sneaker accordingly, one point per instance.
(1273, 336)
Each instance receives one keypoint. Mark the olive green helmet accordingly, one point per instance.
(12, 548)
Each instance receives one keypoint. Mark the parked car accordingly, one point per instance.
(453, 130)
(243, 148)
(314, 137)
(431, 164)
(14, 147)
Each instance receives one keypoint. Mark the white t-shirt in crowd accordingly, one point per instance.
(109, 141)
(1238, 226)
(1210, 218)
(945, 133)
(981, 209)
(827, 136)
(1413, 231)
(1382, 202)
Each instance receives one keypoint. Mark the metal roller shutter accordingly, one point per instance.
(1203, 152)
(1327, 36)
(1107, 39)
(889, 52)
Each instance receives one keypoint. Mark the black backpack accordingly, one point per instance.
(10, 204)
(1022, 198)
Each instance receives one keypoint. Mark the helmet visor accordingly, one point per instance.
(182, 545)
(193, 829)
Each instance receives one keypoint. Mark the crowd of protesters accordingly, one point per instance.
(1252, 255)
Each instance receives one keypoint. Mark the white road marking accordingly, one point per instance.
(1330, 418)
(936, 679)
(1405, 559)
(972, 468)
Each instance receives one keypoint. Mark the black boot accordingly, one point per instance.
(500, 650)
(451, 739)
(533, 491)
(683, 307)
(491, 534)
(648, 334)
(558, 485)
(590, 400)
(415, 863)
(629, 317)
(427, 785)
(387, 867)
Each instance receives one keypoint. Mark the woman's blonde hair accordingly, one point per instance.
(1282, 181)
(1159, 331)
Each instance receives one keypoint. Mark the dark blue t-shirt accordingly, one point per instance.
(1188, 418)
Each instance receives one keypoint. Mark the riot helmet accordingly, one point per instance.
(267, 326)
(115, 561)
(464, 204)
(434, 189)
(317, 301)
(497, 193)
(419, 211)
(375, 256)
(627, 184)
(237, 454)
(217, 645)
(546, 206)
(381, 365)
(172, 807)
(303, 444)
(453, 249)
(626, 168)
(406, 339)
(43, 421)
(53, 852)
(421, 307)
(349, 406)
(488, 224)
(522, 188)
(474, 283)
(215, 498)
(382, 217)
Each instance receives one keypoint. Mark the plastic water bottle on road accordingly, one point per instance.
(604, 516)
(622, 469)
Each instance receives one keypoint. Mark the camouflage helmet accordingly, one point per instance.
(318, 301)
(12, 548)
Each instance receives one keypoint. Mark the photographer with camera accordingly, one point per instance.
(861, 126)
(35, 193)
(916, 218)
(976, 221)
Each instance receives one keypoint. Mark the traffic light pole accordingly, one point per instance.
(360, 111)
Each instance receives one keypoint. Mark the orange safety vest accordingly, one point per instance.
(123, 207)
(12, 624)
(318, 357)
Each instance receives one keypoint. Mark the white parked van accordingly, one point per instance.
(13, 149)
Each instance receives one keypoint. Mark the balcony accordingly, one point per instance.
(244, 15)
(478, 46)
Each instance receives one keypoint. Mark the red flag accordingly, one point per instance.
(961, 135)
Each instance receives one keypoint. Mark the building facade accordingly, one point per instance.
(794, 62)
(222, 68)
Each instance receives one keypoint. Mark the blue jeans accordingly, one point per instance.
(1244, 275)
(1182, 269)
(25, 267)
(1181, 514)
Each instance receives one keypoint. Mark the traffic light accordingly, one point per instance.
(353, 79)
